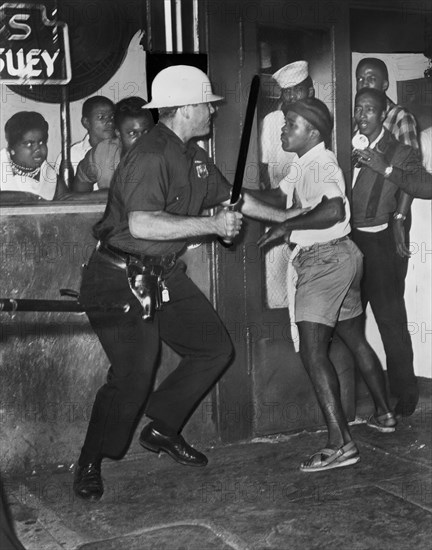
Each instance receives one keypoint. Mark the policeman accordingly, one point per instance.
(156, 198)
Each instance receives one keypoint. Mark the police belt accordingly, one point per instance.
(156, 265)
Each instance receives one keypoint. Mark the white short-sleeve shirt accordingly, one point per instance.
(313, 175)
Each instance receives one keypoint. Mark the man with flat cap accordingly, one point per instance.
(155, 206)
(325, 273)
(295, 83)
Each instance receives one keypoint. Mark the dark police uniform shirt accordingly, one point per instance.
(160, 173)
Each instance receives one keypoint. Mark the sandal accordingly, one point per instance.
(327, 459)
(385, 423)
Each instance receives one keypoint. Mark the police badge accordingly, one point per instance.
(201, 169)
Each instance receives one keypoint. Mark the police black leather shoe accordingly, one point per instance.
(88, 482)
(175, 446)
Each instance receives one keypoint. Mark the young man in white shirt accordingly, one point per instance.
(328, 267)
(98, 119)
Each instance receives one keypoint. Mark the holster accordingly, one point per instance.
(147, 284)
(145, 275)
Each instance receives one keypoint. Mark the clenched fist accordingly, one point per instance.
(228, 223)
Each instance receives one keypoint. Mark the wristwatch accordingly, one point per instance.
(388, 171)
(399, 216)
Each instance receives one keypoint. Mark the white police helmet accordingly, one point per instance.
(181, 85)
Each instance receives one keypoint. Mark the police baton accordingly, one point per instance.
(243, 151)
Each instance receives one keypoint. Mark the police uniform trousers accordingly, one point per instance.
(188, 323)
(383, 286)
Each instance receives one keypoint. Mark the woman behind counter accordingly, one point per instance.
(25, 173)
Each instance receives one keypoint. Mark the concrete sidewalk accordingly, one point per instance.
(250, 496)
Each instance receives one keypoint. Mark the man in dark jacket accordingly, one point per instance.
(380, 166)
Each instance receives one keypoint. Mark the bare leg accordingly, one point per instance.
(351, 332)
(314, 344)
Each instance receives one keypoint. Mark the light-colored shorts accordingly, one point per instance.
(328, 284)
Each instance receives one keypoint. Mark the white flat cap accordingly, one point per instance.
(292, 74)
